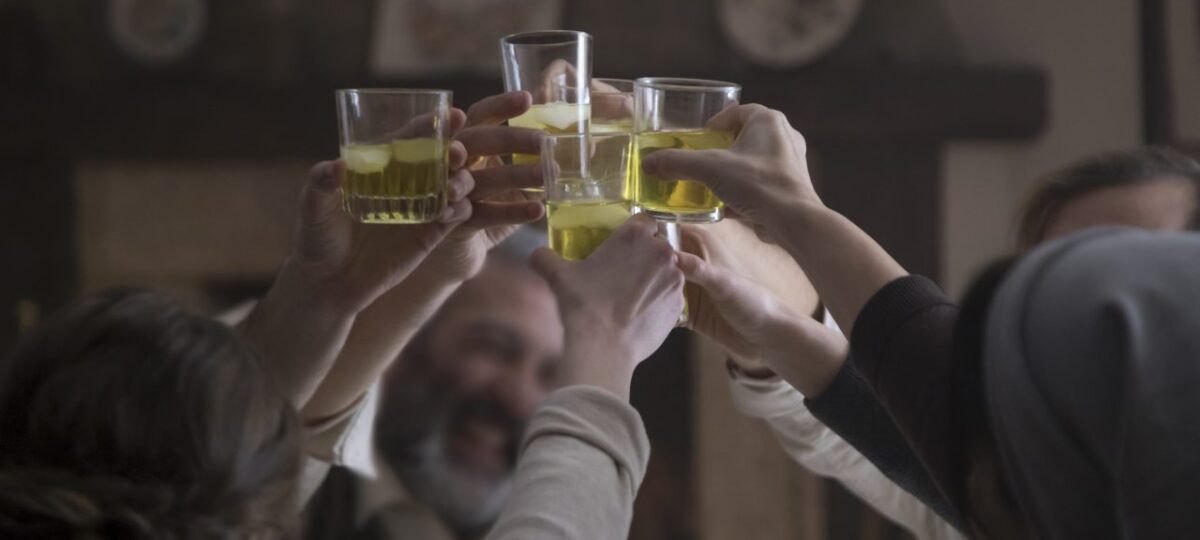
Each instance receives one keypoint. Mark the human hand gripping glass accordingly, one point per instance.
(617, 305)
(763, 172)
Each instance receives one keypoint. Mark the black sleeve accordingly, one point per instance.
(850, 409)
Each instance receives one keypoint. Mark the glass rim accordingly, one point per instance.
(683, 83)
(395, 91)
(575, 36)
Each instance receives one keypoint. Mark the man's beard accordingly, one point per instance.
(416, 421)
(468, 502)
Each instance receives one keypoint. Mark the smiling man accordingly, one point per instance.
(453, 410)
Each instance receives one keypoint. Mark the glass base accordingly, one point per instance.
(703, 216)
(394, 210)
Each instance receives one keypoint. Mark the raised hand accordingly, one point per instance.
(350, 264)
(617, 305)
(758, 325)
(337, 267)
(763, 178)
(499, 203)
(761, 174)
(498, 207)
(730, 245)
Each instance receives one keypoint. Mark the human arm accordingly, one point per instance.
(819, 449)
(763, 178)
(807, 355)
(583, 459)
(383, 329)
(335, 269)
(586, 450)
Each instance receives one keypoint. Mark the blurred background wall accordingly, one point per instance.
(1088, 50)
(162, 143)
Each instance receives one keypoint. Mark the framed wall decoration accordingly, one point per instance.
(413, 38)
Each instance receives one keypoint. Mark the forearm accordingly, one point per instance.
(298, 331)
(590, 362)
(583, 460)
(846, 266)
(804, 353)
(377, 338)
(820, 450)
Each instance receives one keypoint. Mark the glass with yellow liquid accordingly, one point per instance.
(539, 62)
(611, 103)
(395, 144)
(611, 110)
(585, 179)
(672, 113)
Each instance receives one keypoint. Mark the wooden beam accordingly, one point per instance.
(205, 120)
(1158, 126)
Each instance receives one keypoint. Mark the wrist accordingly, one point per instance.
(804, 353)
(592, 357)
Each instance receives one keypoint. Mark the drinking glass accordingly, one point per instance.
(537, 62)
(395, 144)
(672, 113)
(585, 179)
(611, 103)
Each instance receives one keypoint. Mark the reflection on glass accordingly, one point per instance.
(540, 62)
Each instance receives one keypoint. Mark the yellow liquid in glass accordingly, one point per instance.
(400, 182)
(554, 118)
(577, 228)
(673, 197)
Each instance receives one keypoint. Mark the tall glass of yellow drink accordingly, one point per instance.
(673, 113)
(539, 62)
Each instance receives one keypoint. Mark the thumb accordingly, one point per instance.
(548, 264)
(320, 201)
(320, 217)
(718, 282)
(710, 167)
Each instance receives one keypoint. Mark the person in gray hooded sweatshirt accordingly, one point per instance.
(1091, 382)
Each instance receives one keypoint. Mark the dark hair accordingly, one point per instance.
(1107, 170)
(125, 416)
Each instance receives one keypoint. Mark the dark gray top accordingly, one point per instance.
(1092, 378)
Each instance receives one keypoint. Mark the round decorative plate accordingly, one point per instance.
(156, 31)
(787, 33)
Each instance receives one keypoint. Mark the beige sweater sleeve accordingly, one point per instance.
(583, 460)
(345, 440)
(816, 447)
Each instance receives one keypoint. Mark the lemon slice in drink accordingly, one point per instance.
(416, 150)
(608, 214)
(561, 116)
(366, 159)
